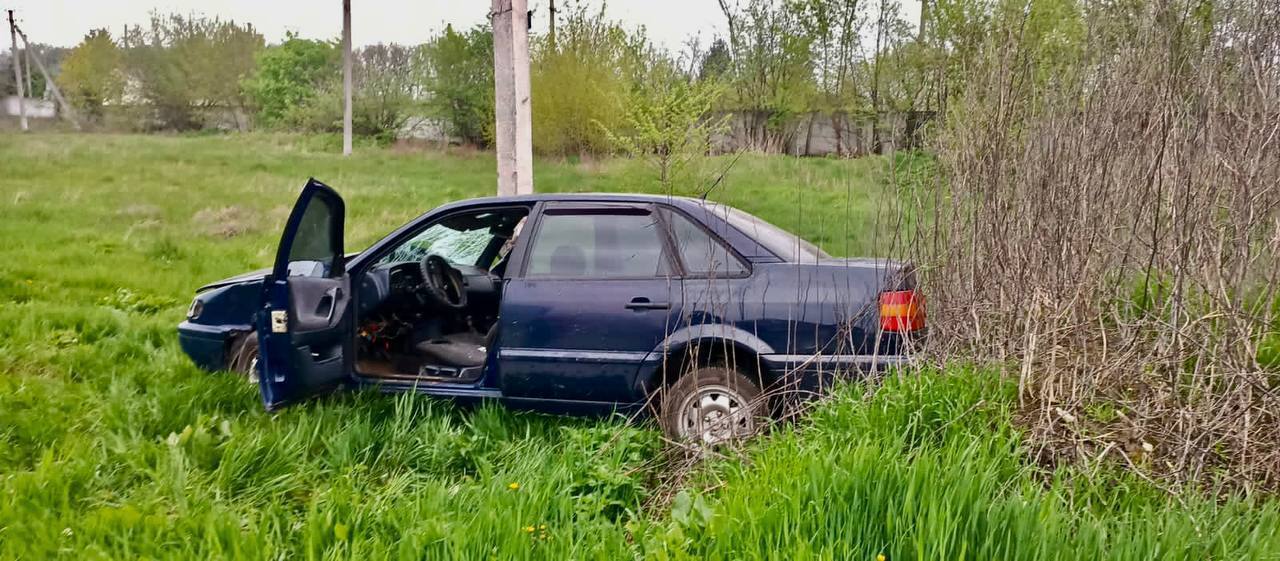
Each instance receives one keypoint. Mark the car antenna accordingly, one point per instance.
(721, 176)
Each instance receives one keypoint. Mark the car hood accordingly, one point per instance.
(251, 276)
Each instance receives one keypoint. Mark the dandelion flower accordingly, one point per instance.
(513, 485)
(880, 557)
(528, 529)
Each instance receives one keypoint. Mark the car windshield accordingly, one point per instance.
(784, 244)
(463, 238)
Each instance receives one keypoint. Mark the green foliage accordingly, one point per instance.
(112, 445)
(578, 82)
(930, 467)
(384, 93)
(773, 66)
(668, 124)
(92, 73)
(184, 63)
(290, 75)
(458, 71)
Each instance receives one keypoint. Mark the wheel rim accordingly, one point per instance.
(715, 414)
(253, 369)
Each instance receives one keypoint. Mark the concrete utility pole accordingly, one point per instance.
(49, 84)
(552, 21)
(26, 61)
(346, 77)
(514, 130)
(17, 71)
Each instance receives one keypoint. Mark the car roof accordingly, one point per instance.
(586, 197)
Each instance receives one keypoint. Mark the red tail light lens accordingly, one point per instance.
(901, 311)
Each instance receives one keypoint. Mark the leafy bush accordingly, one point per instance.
(579, 80)
(182, 64)
(384, 93)
(668, 124)
(93, 73)
(458, 71)
(290, 75)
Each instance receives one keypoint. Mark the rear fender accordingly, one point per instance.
(703, 343)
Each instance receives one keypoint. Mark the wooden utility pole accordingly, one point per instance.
(514, 126)
(17, 71)
(49, 84)
(346, 77)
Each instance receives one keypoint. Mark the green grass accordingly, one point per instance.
(113, 446)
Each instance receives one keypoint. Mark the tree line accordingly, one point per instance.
(598, 85)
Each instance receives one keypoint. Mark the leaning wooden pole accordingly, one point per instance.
(17, 71)
(67, 112)
(346, 77)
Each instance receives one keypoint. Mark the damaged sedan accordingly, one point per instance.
(692, 310)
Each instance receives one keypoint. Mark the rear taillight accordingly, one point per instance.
(901, 311)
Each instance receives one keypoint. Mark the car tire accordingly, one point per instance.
(243, 356)
(712, 405)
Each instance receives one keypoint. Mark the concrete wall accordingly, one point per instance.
(34, 108)
(822, 134)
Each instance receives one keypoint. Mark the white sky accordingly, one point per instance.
(65, 22)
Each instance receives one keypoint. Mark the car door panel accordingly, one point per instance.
(577, 339)
(304, 329)
(569, 334)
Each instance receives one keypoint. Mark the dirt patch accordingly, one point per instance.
(225, 222)
(140, 211)
(408, 146)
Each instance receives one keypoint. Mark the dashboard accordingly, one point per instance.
(398, 283)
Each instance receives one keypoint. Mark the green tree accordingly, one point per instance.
(92, 74)
(578, 82)
(458, 71)
(386, 90)
(185, 65)
(668, 123)
(773, 67)
(289, 75)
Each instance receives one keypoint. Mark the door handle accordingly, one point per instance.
(333, 295)
(641, 303)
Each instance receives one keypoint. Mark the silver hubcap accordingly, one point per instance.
(253, 370)
(715, 414)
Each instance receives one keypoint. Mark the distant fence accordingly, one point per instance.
(33, 107)
(823, 134)
(807, 134)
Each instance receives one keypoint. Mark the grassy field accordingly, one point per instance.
(113, 446)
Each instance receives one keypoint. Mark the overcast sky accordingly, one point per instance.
(64, 22)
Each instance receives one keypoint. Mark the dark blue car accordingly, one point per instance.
(704, 313)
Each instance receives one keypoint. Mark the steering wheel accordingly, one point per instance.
(442, 283)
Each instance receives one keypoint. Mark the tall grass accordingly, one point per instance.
(112, 445)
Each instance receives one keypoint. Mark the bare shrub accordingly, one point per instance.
(1106, 230)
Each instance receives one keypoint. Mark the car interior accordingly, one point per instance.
(428, 309)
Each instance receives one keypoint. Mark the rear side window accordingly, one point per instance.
(598, 244)
(702, 254)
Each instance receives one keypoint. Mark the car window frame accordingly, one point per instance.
(717, 238)
(525, 245)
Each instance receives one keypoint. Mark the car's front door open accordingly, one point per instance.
(304, 328)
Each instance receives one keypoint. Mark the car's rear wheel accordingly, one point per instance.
(243, 356)
(712, 405)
